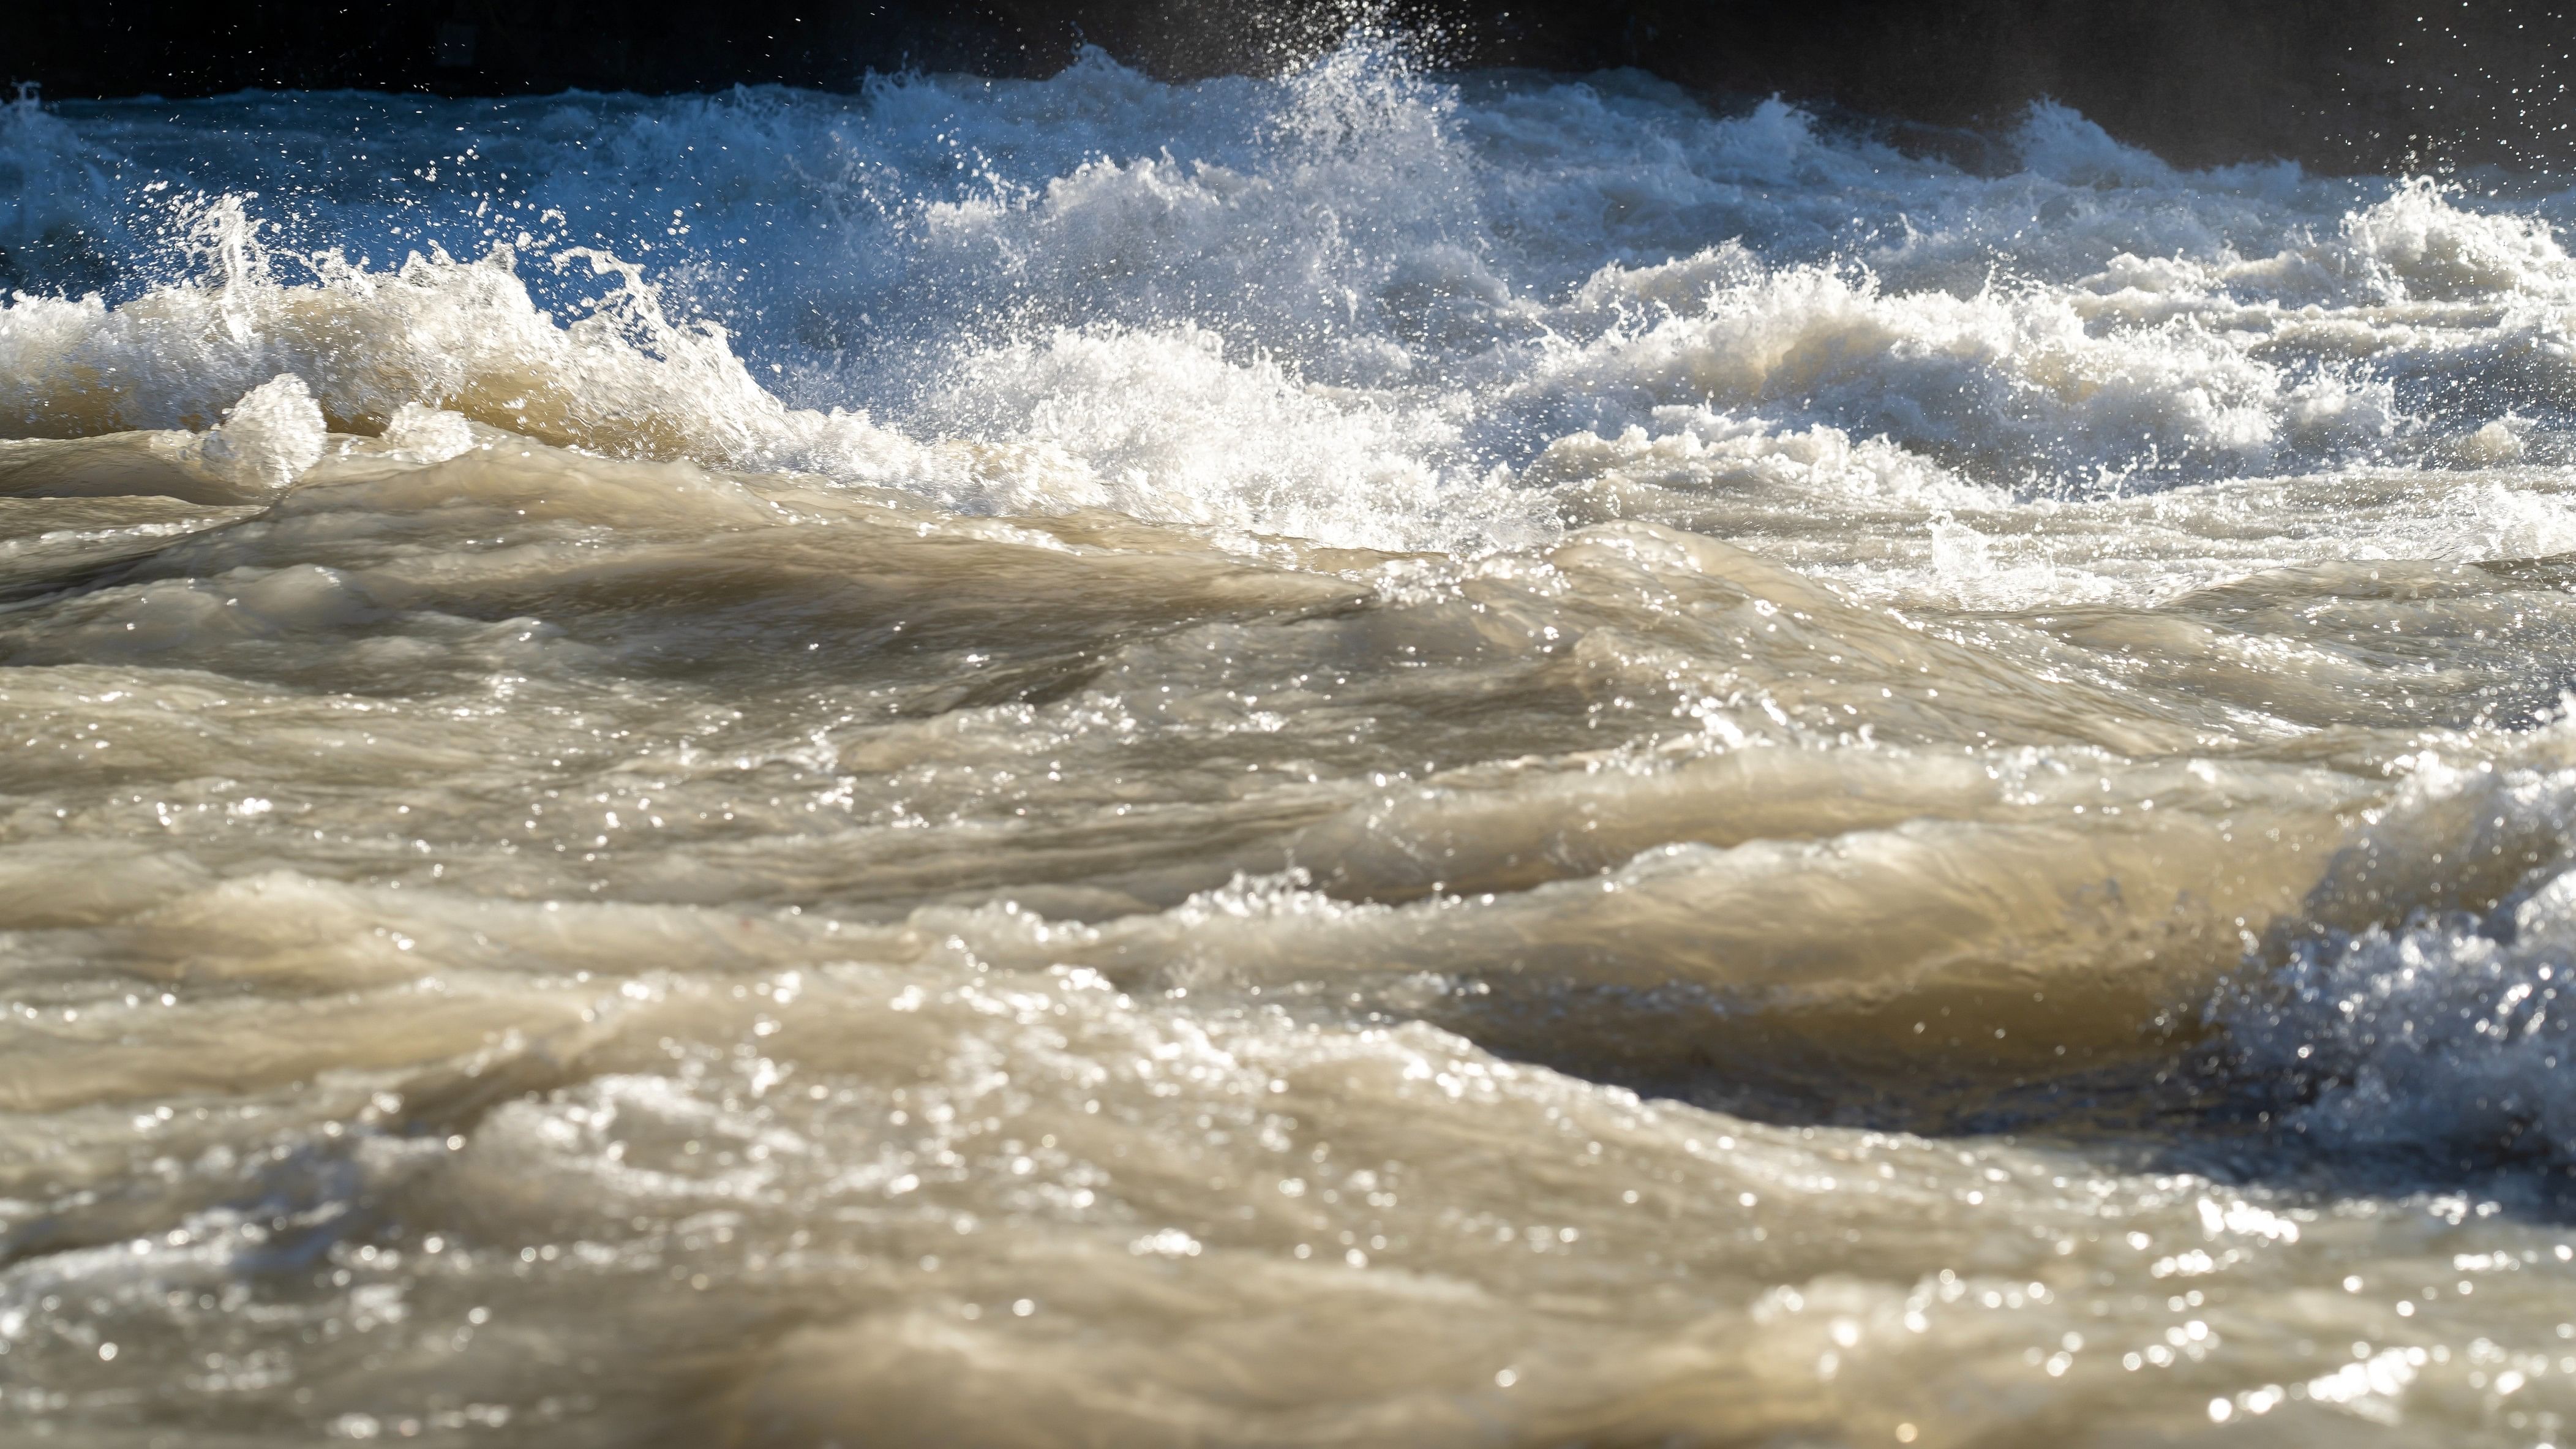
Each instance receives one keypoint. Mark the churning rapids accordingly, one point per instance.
(1363, 758)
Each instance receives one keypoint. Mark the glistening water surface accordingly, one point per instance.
(1361, 758)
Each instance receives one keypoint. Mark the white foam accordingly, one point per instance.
(429, 434)
(1353, 302)
(269, 438)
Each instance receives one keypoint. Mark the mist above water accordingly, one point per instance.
(1362, 757)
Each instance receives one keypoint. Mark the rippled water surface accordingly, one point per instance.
(1366, 758)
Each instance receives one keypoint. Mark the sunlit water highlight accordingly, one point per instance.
(1359, 758)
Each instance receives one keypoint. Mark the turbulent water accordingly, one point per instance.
(1360, 758)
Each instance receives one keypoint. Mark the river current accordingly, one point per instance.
(1371, 757)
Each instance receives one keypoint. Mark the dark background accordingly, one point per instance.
(2357, 85)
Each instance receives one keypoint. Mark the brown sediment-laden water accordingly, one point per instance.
(1361, 758)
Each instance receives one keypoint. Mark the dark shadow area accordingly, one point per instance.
(2192, 1098)
(2368, 85)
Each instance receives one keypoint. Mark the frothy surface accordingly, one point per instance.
(1366, 758)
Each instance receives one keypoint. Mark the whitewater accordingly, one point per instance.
(1371, 756)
